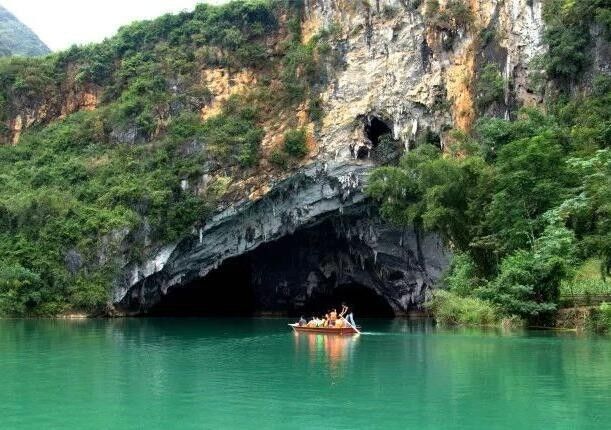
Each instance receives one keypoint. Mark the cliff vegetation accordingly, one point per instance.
(82, 195)
(522, 203)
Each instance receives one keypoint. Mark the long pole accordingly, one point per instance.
(353, 326)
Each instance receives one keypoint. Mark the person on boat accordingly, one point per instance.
(325, 320)
(302, 321)
(332, 317)
(347, 314)
(313, 322)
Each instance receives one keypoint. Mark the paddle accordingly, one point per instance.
(353, 326)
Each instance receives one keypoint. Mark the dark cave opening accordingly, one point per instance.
(364, 302)
(226, 291)
(375, 129)
(274, 279)
(362, 152)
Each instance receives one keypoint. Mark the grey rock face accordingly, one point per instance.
(391, 76)
(129, 135)
(401, 266)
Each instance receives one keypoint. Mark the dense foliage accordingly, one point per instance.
(520, 202)
(152, 68)
(452, 309)
(568, 33)
(69, 198)
(600, 318)
(489, 87)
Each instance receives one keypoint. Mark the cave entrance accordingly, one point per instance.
(375, 129)
(305, 273)
(365, 302)
(225, 292)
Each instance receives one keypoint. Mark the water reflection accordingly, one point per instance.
(333, 351)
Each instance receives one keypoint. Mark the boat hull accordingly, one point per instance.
(344, 331)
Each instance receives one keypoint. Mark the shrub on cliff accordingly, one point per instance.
(489, 87)
(279, 158)
(568, 35)
(295, 142)
(455, 15)
(233, 137)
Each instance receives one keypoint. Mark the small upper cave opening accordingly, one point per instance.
(376, 128)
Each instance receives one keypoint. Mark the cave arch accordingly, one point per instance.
(306, 273)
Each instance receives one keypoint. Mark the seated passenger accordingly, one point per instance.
(332, 318)
(302, 321)
(312, 322)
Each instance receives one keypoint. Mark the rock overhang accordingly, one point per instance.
(322, 191)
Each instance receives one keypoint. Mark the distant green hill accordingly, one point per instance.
(18, 39)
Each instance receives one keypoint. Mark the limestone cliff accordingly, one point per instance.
(392, 72)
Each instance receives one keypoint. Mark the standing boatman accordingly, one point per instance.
(347, 314)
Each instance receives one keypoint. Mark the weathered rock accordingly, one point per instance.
(129, 135)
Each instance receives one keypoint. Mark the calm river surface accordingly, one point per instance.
(256, 374)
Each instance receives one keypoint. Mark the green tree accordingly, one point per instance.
(489, 87)
(528, 283)
(532, 177)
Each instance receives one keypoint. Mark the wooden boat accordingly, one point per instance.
(344, 331)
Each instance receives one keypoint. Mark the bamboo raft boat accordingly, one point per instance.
(343, 331)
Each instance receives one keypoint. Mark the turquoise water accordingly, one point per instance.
(255, 373)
